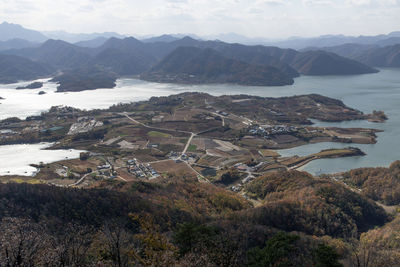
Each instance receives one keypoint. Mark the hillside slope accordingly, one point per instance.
(371, 55)
(126, 56)
(10, 31)
(195, 65)
(323, 63)
(14, 69)
(57, 53)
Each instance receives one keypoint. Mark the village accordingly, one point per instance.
(191, 134)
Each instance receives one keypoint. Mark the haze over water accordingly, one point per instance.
(380, 91)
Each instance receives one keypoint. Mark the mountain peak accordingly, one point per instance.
(52, 42)
(10, 31)
(188, 38)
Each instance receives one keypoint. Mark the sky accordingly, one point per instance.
(256, 18)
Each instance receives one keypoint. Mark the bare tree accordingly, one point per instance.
(21, 242)
(117, 242)
(70, 248)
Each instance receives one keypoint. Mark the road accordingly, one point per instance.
(82, 179)
(200, 177)
(192, 135)
(152, 127)
(163, 129)
(222, 118)
(188, 143)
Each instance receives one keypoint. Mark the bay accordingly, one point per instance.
(380, 91)
(15, 159)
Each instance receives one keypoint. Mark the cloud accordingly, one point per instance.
(267, 18)
(318, 2)
(381, 3)
(272, 2)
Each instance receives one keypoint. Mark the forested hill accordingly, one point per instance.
(14, 69)
(180, 221)
(371, 55)
(195, 66)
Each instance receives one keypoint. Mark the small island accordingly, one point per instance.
(377, 116)
(87, 78)
(34, 85)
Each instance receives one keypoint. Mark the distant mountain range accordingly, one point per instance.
(232, 63)
(10, 31)
(372, 55)
(93, 43)
(79, 37)
(13, 31)
(165, 38)
(170, 58)
(293, 42)
(335, 40)
(16, 44)
(59, 54)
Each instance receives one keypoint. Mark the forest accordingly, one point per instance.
(290, 219)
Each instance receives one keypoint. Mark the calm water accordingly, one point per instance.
(18, 157)
(380, 91)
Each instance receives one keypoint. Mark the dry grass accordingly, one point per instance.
(172, 167)
(269, 153)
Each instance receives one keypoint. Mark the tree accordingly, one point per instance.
(70, 248)
(21, 243)
(155, 249)
(117, 243)
(189, 235)
(278, 251)
(326, 256)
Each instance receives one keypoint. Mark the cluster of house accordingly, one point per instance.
(152, 145)
(107, 170)
(250, 177)
(239, 187)
(177, 157)
(65, 172)
(141, 170)
(6, 133)
(267, 130)
(243, 167)
(158, 118)
(83, 125)
(223, 113)
(63, 111)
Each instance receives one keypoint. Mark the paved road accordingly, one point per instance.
(82, 179)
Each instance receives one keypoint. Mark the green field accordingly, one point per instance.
(192, 148)
(158, 134)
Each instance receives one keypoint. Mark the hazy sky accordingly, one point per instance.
(261, 18)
